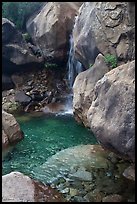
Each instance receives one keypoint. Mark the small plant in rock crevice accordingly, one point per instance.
(111, 60)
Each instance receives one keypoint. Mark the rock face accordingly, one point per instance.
(15, 51)
(50, 29)
(106, 27)
(112, 113)
(6, 82)
(83, 88)
(11, 132)
(16, 187)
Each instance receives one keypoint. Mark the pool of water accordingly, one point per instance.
(45, 135)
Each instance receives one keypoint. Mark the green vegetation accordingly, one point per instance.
(111, 60)
(50, 65)
(26, 36)
(18, 12)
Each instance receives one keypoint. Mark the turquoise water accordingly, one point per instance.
(45, 135)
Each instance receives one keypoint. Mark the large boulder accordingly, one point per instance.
(83, 88)
(112, 113)
(15, 51)
(17, 187)
(11, 132)
(51, 27)
(106, 27)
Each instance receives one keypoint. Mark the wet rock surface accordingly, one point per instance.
(87, 173)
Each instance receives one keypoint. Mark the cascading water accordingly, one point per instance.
(74, 67)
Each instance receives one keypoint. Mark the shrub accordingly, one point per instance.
(111, 60)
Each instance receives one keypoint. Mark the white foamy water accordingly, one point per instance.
(74, 66)
(66, 112)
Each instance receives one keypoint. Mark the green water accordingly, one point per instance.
(45, 135)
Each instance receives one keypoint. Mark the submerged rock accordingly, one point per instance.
(94, 196)
(85, 173)
(17, 187)
(82, 174)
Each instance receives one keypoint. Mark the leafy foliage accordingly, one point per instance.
(18, 12)
(111, 60)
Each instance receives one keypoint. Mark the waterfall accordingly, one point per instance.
(74, 67)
